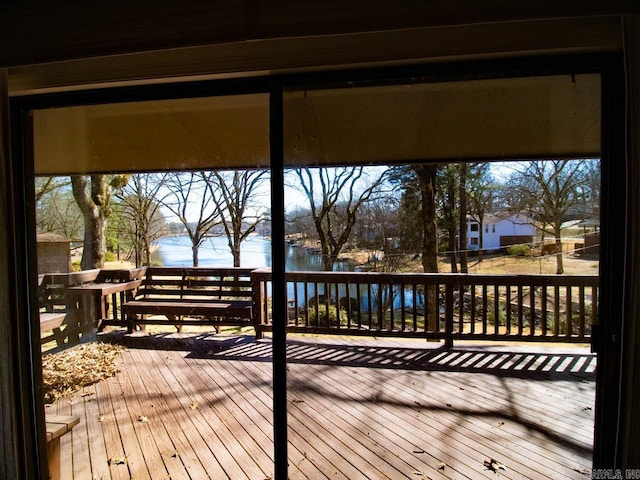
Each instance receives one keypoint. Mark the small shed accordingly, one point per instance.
(54, 253)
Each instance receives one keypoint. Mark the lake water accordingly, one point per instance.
(255, 252)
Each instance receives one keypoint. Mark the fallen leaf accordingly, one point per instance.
(194, 406)
(493, 465)
(67, 372)
(118, 461)
(441, 466)
(143, 419)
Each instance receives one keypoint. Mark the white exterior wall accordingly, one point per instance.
(495, 227)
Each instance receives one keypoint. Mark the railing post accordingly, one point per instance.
(258, 307)
(448, 315)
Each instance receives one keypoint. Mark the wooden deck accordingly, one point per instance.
(199, 406)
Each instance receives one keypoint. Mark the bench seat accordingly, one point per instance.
(51, 321)
(175, 308)
(56, 427)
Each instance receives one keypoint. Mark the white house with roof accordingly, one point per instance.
(499, 230)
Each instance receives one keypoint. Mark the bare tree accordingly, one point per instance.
(141, 218)
(57, 211)
(47, 185)
(335, 195)
(190, 199)
(548, 190)
(93, 195)
(235, 195)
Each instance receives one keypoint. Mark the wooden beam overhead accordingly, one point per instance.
(71, 29)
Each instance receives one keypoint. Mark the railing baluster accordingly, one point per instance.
(556, 311)
(520, 310)
(594, 307)
(380, 307)
(414, 296)
(543, 301)
(569, 332)
(472, 308)
(389, 305)
(532, 310)
(496, 309)
(359, 300)
(582, 311)
(403, 319)
(460, 307)
(485, 307)
(448, 315)
(296, 300)
(508, 306)
(370, 304)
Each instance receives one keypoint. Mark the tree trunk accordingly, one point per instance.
(452, 249)
(235, 251)
(559, 262)
(195, 248)
(463, 218)
(88, 196)
(427, 178)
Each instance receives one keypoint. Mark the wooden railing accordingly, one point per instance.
(551, 308)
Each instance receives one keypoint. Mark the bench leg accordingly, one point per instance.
(131, 324)
(53, 454)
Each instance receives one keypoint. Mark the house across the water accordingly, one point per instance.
(499, 230)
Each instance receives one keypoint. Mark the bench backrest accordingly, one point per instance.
(196, 284)
(52, 288)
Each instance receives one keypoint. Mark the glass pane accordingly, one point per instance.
(151, 219)
(420, 218)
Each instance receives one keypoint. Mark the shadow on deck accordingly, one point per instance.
(533, 362)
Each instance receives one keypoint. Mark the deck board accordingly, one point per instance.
(187, 406)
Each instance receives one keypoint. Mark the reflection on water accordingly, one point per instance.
(255, 252)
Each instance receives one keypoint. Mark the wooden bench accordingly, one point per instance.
(56, 427)
(193, 296)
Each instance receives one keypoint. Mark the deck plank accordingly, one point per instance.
(133, 453)
(96, 440)
(116, 456)
(143, 398)
(189, 447)
(357, 409)
(80, 443)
